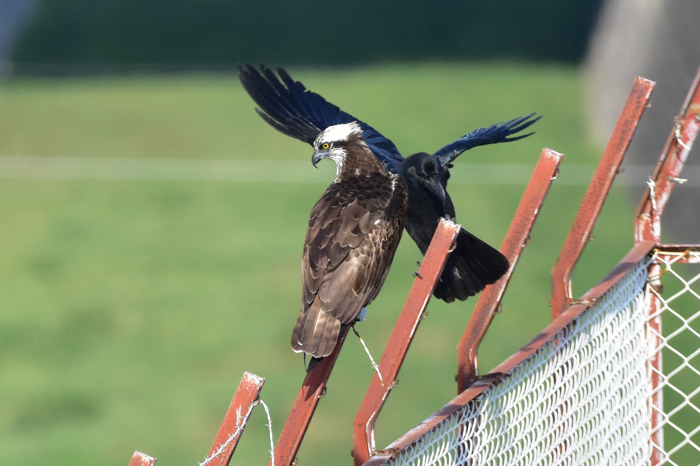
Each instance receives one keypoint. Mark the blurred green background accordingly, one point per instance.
(131, 306)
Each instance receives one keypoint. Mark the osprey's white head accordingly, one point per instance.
(331, 143)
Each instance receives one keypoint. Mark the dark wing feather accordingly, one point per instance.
(499, 132)
(275, 109)
(297, 112)
(471, 266)
(344, 267)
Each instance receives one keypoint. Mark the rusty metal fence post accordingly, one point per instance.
(647, 228)
(312, 390)
(242, 404)
(516, 239)
(668, 169)
(401, 338)
(597, 192)
(235, 419)
(141, 459)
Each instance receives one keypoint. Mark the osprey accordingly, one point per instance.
(291, 109)
(351, 239)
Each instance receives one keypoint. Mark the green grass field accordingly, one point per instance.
(130, 309)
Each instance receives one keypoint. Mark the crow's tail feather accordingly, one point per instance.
(471, 266)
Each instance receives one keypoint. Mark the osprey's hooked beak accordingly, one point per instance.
(317, 157)
(434, 184)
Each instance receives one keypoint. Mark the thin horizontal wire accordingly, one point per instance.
(284, 171)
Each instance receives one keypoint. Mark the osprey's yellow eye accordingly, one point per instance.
(325, 145)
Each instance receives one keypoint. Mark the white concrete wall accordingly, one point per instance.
(659, 40)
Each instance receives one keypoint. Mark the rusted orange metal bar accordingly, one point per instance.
(401, 338)
(595, 195)
(647, 228)
(141, 459)
(244, 400)
(668, 169)
(638, 252)
(242, 404)
(313, 388)
(516, 239)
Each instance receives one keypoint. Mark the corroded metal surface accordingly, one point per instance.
(516, 239)
(400, 339)
(594, 198)
(668, 169)
(242, 404)
(311, 391)
(141, 459)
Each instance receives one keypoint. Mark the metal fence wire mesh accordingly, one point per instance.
(676, 439)
(581, 399)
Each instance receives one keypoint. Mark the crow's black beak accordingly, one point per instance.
(317, 157)
(434, 184)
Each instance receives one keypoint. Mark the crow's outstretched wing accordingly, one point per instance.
(293, 110)
(500, 132)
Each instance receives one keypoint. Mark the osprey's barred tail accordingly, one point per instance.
(316, 331)
(471, 266)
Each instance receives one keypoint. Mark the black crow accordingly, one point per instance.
(351, 239)
(293, 110)
(473, 264)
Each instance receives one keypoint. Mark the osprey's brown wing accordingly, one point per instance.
(352, 236)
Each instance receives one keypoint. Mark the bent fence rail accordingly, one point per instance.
(591, 387)
(604, 383)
